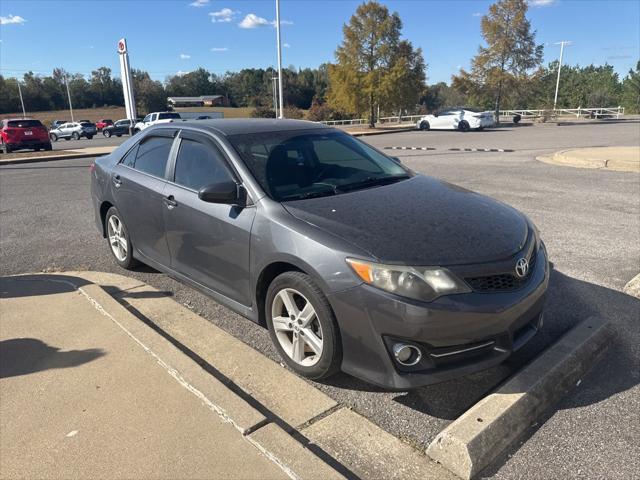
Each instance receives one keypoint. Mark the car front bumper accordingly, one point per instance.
(457, 334)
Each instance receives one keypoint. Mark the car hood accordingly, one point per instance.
(419, 221)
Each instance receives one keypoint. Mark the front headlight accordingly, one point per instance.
(419, 283)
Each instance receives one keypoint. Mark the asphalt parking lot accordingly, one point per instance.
(589, 219)
(98, 141)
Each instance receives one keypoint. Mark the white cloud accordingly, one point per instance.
(199, 3)
(286, 45)
(541, 3)
(253, 21)
(476, 14)
(15, 19)
(219, 49)
(225, 15)
(185, 56)
(181, 73)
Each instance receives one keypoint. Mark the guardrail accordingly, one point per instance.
(590, 112)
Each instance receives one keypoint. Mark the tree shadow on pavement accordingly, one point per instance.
(22, 356)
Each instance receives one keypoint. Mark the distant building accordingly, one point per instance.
(201, 101)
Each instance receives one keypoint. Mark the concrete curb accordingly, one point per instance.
(68, 156)
(606, 158)
(306, 432)
(383, 132)
(477, 437)
(633, 287)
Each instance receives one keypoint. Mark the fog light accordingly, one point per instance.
(407, 355)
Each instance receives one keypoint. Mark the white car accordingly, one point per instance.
(155, 118)
(461, 119)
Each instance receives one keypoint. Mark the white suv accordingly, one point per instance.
(154, 118)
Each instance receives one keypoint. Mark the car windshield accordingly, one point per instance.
(294, 165)
(86, 124)
(24, 123)
(164, 116)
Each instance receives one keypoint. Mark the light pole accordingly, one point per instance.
(562, 44)
(280, 101)
(274, 89)
(24, 113)
(66, 82)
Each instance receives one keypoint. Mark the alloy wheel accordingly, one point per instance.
(297, 327)
(117, 239)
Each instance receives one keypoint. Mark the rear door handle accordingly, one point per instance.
(117, 181)
(170, 202)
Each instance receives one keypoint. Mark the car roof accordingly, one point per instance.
(17, 119)
(238, 126)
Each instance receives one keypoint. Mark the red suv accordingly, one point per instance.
(100, 124)
(21, 133)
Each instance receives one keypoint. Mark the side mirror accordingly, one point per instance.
(228, 193)
(396, 159)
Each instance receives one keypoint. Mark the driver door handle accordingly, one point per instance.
(170, 202)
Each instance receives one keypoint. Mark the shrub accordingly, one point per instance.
(263, 112)
(291, 111)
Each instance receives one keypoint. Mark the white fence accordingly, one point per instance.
(591, 112)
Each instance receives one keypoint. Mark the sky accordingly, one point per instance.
(166, 37)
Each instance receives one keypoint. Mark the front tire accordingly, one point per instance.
(106, 133)
(302, 326)
(463, 126)
(424, 125)
(89, 137)
(76, 136)
(119, 241)
(53, 137)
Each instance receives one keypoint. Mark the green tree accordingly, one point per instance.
(149, 94)
(404, 82)
(363, 58)
(631, 90)
(507, 60)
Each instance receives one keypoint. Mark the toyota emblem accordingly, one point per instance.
(522, 268)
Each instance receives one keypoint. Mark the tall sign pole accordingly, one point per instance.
(66, 82)
(274, 90)
(24, 113)
(280, 101)
(127, 83)
(562, 44)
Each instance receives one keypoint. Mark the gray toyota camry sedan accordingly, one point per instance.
(351, 260)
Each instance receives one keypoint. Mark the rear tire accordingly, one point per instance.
(118, 136)
(119, 240)
(48, 147)
(463, 126)
(53, 137)
(106, 133)
(299, 337)
(424, 126)
(89, 137)
(75, 135)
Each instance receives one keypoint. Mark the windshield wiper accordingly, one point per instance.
(371, 182)
(304, 196)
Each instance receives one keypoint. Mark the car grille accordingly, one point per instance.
(503, 282)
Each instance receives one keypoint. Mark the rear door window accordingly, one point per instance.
(152, 156)
(199, 165)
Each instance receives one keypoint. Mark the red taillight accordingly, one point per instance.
(92, 167)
